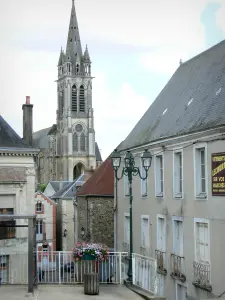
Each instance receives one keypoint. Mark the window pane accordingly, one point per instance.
(203, 185)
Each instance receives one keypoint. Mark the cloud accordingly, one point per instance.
(116, 112)
(220, 20)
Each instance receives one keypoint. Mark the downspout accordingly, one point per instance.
(115, 213)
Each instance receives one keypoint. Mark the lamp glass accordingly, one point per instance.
(146, 159)
(116, 159)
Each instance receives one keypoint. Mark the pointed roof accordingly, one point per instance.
(192, 101)
(73, 48)
(9, 138)
(86, 55)
(101, 183)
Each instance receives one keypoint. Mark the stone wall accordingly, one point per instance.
(96, 215)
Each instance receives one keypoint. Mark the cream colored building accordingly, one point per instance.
(17, 188)
(179, 211)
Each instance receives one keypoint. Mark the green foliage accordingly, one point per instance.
(42, 187)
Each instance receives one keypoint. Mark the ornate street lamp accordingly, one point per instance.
(130, 170)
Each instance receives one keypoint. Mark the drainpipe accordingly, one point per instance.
(115, 214)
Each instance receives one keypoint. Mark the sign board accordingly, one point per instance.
(218, 174)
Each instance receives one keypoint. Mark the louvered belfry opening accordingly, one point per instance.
(74, 98)
(81, 99)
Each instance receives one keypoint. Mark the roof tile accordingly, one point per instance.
(101, 183)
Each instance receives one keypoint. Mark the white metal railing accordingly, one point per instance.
(145, 272)
(60, 267)
(14, 268)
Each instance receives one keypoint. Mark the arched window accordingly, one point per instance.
(82, 142)
(81, 99)
(74, 98)
(75, 142)
(77, 68)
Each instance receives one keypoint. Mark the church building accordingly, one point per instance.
(68, 147)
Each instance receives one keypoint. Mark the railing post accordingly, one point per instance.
(59, 268)
(120, 267)
(133, 269)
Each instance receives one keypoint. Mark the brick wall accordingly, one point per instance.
(96, 215)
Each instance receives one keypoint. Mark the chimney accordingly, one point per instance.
(181, 61)
(28, 121)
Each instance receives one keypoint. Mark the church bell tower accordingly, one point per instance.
(75, 135)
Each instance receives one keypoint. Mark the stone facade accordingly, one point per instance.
(95, 215)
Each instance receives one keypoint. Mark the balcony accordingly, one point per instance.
(202, 276)
(177, 267)
(161, 259)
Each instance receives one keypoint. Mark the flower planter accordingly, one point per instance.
(88, 257)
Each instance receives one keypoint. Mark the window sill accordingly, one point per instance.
(178, 196)
(159, 195)
(201, 196)
(144, 196)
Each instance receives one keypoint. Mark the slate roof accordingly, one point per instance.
(189, 102)
(9, 138)
(40, 138)
(101, 183)
(69, 190)
(56, 184)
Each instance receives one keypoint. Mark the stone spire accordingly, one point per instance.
(86, 55)
(73, 48)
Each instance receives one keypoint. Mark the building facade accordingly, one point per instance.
(178, 211)
(45, 210)
(17, 188)
(94, 207)
(69, 147)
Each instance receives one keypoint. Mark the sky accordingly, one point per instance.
(135, 47)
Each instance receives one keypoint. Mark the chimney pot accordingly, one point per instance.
(27, 99)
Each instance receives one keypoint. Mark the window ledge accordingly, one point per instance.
(202, 196)
(178, 196)
(159, 195)
(144, 196)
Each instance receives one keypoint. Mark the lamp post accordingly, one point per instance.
(130, 170)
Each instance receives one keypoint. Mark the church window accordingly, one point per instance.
(81, 99)
(79, 128)
(77, 67)
(74, 98)
(75, 142)
(62, 102)
(82, 142)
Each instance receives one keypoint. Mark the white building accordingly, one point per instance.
(17, 188)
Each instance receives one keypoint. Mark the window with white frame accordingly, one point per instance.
(39, 227)
(178, 174)
(38, 206)
(127, 228)
(178, 235)
(161, 233)
(144, 182)
(145, 232)
(126, 186)
(200, 172)
(159, 176)
(202, 241)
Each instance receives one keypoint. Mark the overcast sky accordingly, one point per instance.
(135, 46)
